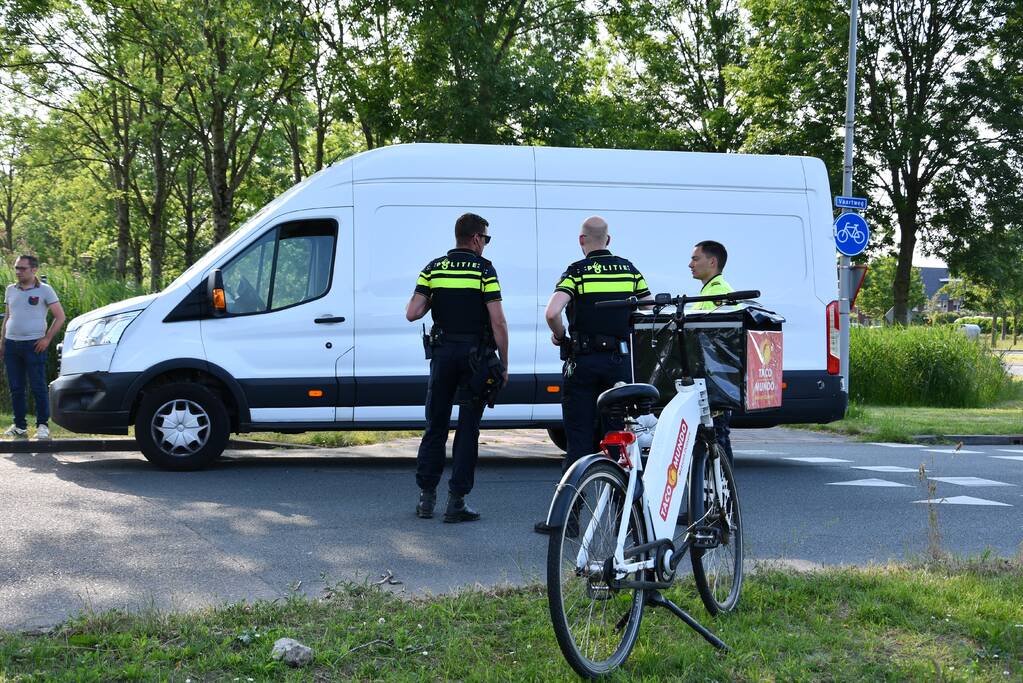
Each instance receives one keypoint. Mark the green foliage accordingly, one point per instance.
(922, 366)
(984, 321)
(878, 294)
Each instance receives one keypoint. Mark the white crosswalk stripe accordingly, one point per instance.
(877, 483)
(896, 445)
(964, 500)
(818, 460)
(1008, 457)
(970, 481)
(953, 451)
(885, 468)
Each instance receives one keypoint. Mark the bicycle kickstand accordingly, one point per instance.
(655, 599)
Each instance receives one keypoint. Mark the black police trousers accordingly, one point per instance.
(449, 369)
(593, 373)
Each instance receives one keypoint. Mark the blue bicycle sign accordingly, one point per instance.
(851, 234)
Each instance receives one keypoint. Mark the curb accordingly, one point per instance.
(120, 445)
(974, 439)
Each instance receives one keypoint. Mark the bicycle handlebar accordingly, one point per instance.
(668, 300)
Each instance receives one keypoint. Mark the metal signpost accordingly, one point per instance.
(843, 263)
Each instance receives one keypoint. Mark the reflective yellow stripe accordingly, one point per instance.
(622, 275)
(641, 284)
(595, 287)
(492, 287)
(438, 271)
(423, 281)
(567, 283)
(455, 283)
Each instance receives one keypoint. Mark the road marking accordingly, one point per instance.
(880, 483)
(952, 451)
(1008, 457)
(818, 460)
(896, 445)
(964, 500)
(1011, 450)
(970, 481)
(755, 451)
(885, 468)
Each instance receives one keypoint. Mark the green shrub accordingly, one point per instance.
(924, 366)
(944, 317)
(78, 294)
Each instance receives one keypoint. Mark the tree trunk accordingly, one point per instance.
(157, 222)
(904, 269)
(123, 221)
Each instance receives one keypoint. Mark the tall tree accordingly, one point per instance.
(679, 54)
(920, 119)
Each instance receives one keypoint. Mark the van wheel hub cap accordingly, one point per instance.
(181, 427)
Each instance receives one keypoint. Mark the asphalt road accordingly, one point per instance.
(96, 531)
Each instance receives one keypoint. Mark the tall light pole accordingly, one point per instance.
(844, 272)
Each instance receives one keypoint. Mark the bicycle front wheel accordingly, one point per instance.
(714, 506)
(595, 623)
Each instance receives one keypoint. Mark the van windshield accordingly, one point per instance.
(246, 229)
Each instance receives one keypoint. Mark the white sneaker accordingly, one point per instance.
(42, 433)
(16, 432)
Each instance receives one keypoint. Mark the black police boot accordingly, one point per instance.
(458, 511)
(427, 501)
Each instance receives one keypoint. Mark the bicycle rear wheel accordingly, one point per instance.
(596, 625)
(717, 569)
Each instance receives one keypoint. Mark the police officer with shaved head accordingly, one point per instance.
(462, 292)
(597, 337)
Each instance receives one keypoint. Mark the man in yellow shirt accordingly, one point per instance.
(706, 265)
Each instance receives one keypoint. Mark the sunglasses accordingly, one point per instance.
(486, 238)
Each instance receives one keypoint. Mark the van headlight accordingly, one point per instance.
(102, 331)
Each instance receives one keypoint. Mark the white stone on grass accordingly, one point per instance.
(291, 652)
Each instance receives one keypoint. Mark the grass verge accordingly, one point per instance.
(330, 439)
(902, 423)
(949, 623)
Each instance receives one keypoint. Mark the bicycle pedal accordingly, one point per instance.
(706, 537)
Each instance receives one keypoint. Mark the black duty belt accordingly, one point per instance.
(462, 338)
(598, 343)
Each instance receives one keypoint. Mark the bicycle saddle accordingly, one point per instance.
(630, 399)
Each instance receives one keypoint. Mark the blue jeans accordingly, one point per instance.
(20, 358)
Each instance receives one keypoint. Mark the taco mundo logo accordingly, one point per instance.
(676, 461)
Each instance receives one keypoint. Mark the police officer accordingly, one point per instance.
(598, 337)
(461, 290)
(707, 263)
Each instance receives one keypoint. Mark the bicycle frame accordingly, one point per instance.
(669, 462)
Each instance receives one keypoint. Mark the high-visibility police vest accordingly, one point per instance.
(459, 286)
(601, 276)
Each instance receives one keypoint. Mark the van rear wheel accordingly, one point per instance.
(181, 426)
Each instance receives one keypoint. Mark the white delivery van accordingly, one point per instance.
(315, 284)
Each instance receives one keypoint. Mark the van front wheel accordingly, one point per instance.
(181, 426)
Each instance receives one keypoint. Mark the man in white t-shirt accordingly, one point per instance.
(24, 338)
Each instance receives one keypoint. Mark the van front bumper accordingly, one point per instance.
(92, 402)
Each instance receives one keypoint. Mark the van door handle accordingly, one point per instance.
(330, 319)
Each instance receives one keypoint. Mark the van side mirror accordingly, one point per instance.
(215, 291)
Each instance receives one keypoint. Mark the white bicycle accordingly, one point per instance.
(616, 543)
